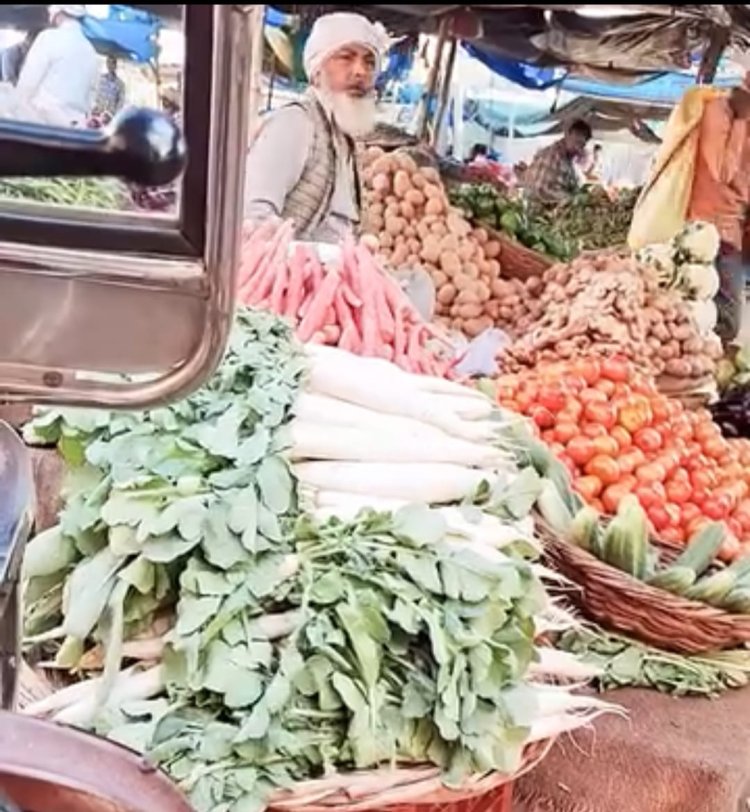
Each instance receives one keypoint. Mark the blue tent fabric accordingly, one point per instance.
(663, 88)
(521, 73)
(126, 32)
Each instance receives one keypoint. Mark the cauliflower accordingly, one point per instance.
(701, 280)
(705, 315)
(660, 258)
(698, 241)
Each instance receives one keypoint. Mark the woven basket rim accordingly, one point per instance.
(388, 787)
(654, 615)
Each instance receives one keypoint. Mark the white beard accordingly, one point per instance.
(354, 116)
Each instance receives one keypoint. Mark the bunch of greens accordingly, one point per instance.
(626, 663)
(484, 203)
(388, 649)
(89, 193)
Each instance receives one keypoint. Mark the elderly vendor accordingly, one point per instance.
(301, 165)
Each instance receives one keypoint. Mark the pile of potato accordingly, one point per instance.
(410, 223)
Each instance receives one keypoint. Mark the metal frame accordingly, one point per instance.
(55, 295)
(183, 235)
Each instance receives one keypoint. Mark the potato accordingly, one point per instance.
(467, 250)
(415, 197)
(483, 292)
(446, 294)
(492, 309)
(375, 223)
(407, 211)
(457, 225)
(449, 262)
(381, 183)
(438, 228)
(449, 243)
(434, 206)
(423, 229)
(407, 163)
(376, 208)
(678, 368)
(470, 310)
(471, 270)
(481, 235)
(415, 245)
(492, 249)
(400, 253)
(495, 269)
(383, 165)
(431, 191)
(385, 240)
(440, 278)
(484, 267)
(418, 180)
(394, 225)
(430, 174)
(370, 241)
(430, 251)
(401, 183)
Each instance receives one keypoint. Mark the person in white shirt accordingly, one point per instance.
(58, 80)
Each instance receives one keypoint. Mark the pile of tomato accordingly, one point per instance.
(616, 434)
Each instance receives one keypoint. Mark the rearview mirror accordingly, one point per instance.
(117, 308)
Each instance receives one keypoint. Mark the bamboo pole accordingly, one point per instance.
(257, 18)
(432, 80)
(445, 92)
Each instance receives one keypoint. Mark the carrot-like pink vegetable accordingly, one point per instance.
(316, 315)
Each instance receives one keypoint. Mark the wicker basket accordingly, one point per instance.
(518, 261)
(654, 616)
(415, 789)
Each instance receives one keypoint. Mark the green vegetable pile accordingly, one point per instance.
(625, 663)
(88, 193)
(589, 220)
(296, 648)
(483, 203)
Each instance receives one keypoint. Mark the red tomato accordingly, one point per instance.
(634, 413)
(703, 478)
(674, 513)
(613, 495)
(659, 518)
(542, 417)
(647, 496)
(569, 464)
(608, 387)
(690, 512)
(593, 430)
(660, 409)
(678, 492)
(589, 487)
(716, 508)
(649, 474)
(588, 369)
(715, 448)
(592, 396)
(735, 527)
(615, 369)
(604, 468)
(603, 414)
(556, 448)
(597, 505)
(552, 398)
(673, 535)
(580, 450)
(648, 440)
(565, 432)
(630, 461)
(730, 548)
(574, 383)
(622, 437)
(606, 445)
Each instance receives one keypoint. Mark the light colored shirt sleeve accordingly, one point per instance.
(275, 162)
(37, 64)
(722, 141)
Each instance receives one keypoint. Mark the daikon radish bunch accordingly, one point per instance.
(351, 303)
(411, 224)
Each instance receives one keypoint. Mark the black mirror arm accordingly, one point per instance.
(140, 146)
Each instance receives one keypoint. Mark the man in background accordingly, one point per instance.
(552, 177)
(58, 78)
(110, 97)
(721, 195)
(12, 58)
(301, 165)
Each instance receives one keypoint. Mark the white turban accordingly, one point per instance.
(72, 11)
(332, 32)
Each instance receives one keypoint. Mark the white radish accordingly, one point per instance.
(467, 408)
(381, 393)
(553, 700)
(67, 696)
(143, 685)
(562, 665)
(440, 386)
(414, 482)
(316, 441)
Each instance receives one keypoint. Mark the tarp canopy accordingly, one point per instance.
(655, 38)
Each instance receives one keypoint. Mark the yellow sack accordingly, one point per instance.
(662, 207)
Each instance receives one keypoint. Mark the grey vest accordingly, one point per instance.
(309, 201)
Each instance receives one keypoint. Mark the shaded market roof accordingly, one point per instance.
(646, 39)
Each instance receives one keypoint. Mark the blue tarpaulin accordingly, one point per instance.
(126, 32)
(520, 73)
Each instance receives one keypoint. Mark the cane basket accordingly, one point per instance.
(406, 789)
(656, 617)
(517, 261)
